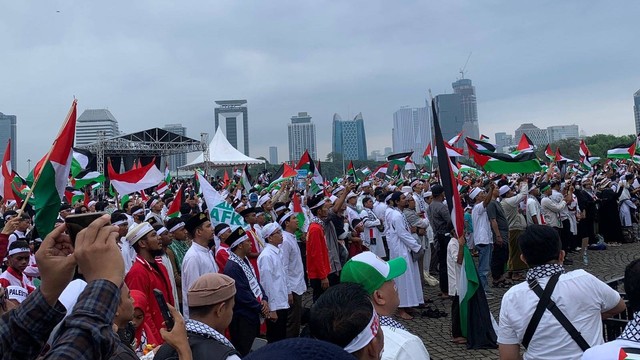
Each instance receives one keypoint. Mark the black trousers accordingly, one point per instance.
(456, 329)
(277, 330)
(243, 331)
(294, 317)
(499, 259)
(565, 235)
(316, 285)
(443, 277)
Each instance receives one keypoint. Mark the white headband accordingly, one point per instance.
(18, 250)
(138, 232)
(162, 230)
(17, 293)
(366, 335)
(137, 212)
(119, 222)
(281, 208)
(223, 231)
(238, 242)
(318, 204)
(153, 202)
(285, 217)
(176, 226)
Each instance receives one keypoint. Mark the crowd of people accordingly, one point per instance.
(365, 251)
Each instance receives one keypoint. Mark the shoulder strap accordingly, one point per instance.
(557, 313)
(545, 298)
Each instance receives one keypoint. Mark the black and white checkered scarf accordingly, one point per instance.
(543, 271)
(196, 327)
(631, 332)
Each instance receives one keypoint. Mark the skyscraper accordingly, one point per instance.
(302, 136)
(229, 110)
(451, 115)
(503, 141)
(273, 154)
(538, 136)
(177, 160)
(349, 138)
(469, 107)
(560, 132)
(8, 130)
(93, 121)
(636, 110)
(411, 131)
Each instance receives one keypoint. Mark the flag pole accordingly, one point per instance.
(46, 159)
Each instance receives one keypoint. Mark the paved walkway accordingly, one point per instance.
(436, 333)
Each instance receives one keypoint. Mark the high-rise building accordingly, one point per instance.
(450, 115)
(503, 141)
(538, 136)
(177, 160)
(236, 130)
(560, 132)
(469, 107)
(349, 138)
(636, 110)
(273, 155)
(302, 136)
(8, 130)
(411, 131)
(93, 121)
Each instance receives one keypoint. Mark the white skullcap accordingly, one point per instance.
(406, 189)
(474, 193)
(366, 183)
(269, 229)
(337, 190)
(263, 199)
(138, 232)
(351, 195)
(504, 189)
(428, 194)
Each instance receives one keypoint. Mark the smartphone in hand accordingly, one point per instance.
(164, 309)
(76, 223)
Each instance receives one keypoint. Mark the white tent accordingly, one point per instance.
(221, 153)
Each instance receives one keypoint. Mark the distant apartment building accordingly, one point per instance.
(91, 123)
(561, 132)
(348, 138)
(273, 154)
(8, 130)
(302, 136)
(411, 131)
(538, 136)
(177, 160)
(503, 141)
(233, 117)
(465, 88)
(450, 115)
(636, 110)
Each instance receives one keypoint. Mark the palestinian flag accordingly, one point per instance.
(20, 189)
(559, 157)
(399, 159)
(549, 153)
(6, 175)
(484, 137)
(351, 171)
(381, 171)
(452, 151)
(366, 171)
(481, 146)
(455, 139)
(427, 156)
(50, 176)
(73, 196)
(81, 160)
(525, 162)
(86, 177)
(306, 163)
(468, 169)
(622, 151)
(225, 179)
(174, 208)
(246, 179)
(297, 209)
(525, 144)
(164, 185)
(627, 353)
(585, 154)
(220, 211)
(135, 180)
(285, 173)
(475, 317)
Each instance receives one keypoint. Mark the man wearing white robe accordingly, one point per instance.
(401, 244)
(199, 259)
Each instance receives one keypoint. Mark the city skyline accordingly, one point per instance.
(8, 130)
(545, 64)
(302, 136)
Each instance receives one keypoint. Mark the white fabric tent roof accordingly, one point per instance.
(221, 153)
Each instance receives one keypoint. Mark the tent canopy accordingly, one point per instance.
(221, 153)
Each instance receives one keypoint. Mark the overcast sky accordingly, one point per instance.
(156, 62)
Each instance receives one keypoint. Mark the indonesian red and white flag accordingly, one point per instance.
(136, 179)
(6, 175)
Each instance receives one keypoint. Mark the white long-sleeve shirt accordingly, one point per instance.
(273, 278)
(197, 261)
(292, 262)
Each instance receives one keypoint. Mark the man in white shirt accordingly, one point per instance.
(198, 260)
(377, 277)
(581, 297)
(274, 282)
(294, 270)
(627, 345)
(482, 235)
(371, 236)
(534, 213)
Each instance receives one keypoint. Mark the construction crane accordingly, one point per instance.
(465, 66)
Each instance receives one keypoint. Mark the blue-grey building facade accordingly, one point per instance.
(8, 130)
(349, 138)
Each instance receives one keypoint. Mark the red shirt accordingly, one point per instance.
(317, 253)
(222, 256)
(12, 278)
(254, 249)
(145, 278)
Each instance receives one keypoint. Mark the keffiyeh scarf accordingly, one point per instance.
(543, 271)
(207, 331)
(631, 332)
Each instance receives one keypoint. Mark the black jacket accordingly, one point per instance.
(201, 348)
